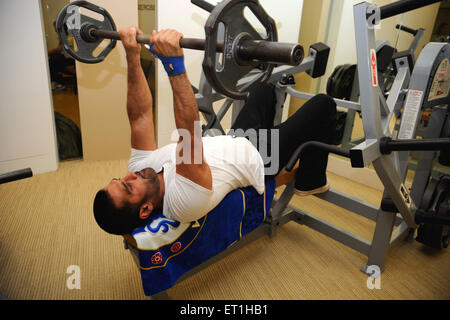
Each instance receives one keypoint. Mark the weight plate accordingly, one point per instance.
(70, 22)
(331, 81)
(224, 75)
(346, 82)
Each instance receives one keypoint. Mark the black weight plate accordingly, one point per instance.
(346, 82)
(330, 82)
(335, 79)
(225, 79)
(71, 18)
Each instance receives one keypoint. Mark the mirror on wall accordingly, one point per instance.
(63, 80)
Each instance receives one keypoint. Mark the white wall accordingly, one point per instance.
(190, 20)
(340, 38)
(27, 133)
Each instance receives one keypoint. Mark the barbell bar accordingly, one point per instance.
(246, 49)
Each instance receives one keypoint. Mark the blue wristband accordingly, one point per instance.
(173, 65)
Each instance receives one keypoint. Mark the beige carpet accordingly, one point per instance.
(47, 225)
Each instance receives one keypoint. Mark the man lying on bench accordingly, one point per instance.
(187, 179)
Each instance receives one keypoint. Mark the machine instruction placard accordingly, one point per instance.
(411, 111)
(440, 85)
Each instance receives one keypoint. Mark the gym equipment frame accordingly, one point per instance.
(418, 34)
(379, 118)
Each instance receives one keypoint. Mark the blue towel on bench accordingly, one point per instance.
(168, 249)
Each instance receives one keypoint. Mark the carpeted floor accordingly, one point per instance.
(47, 226)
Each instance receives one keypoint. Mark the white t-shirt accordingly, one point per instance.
(234, 163)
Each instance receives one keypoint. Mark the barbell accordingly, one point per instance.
(243, 51)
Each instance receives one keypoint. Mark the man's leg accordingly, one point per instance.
(314, 121)
(259, 109)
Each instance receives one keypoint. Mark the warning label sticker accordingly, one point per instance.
(440, 85)
(411, 112)
(373, 67)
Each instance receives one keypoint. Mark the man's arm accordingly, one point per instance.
(167, 43)
(139, 98)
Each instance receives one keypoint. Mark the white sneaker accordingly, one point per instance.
(323, 189)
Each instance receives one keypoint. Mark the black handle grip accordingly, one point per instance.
(15, 175)
(187, 43)
(406, 29)
(387, 145)
(402, 6)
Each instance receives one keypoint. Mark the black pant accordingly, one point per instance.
(314, 121)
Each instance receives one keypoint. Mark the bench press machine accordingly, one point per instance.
(314, 65)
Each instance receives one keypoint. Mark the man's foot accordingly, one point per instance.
(322, 189)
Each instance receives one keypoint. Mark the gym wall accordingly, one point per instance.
(27, 131)
(313, 28)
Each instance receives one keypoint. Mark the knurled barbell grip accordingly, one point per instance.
(187, 43)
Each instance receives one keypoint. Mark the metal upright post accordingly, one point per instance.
(381, 240)
(350, 118)
(376, 113)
